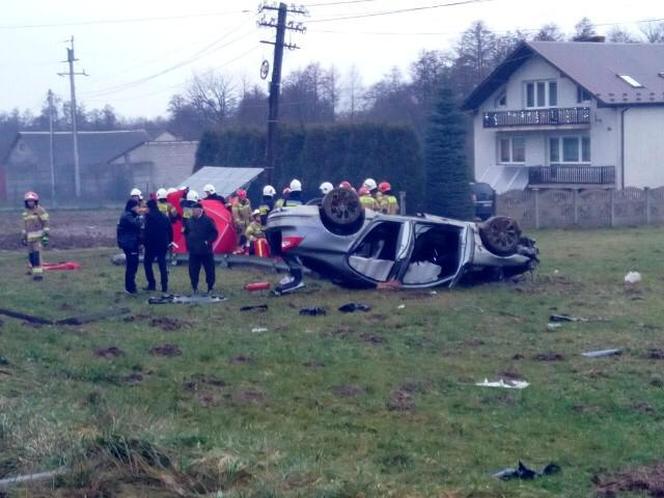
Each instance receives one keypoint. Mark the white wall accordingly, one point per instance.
(644, 147)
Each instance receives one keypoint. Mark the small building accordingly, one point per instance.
(571, 115)
(111, 163)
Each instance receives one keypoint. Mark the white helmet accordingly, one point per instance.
(192, 196)
(171, 190)
(209, 189)
(326, 188)
(268, 191)
(296, 185)
(256, 212)
(370, 183)
(161, 193)
(136, 192)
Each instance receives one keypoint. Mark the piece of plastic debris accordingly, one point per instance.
(257, 307)
(433, 293)
(632, 278)
(315, 311)
(552, 327)
(401, 307)
(256, 286)
(556, 272)
(195, 299)
(64, 265)
(505, 384)
(602, 352)
(525, 473)
(352, 307)
(258, 330)
(566, 318)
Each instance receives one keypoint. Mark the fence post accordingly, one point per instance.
(537, 211)
(612, 207)
(646, 191)
(575, 202)
(402, 202)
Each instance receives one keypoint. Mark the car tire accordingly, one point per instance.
(500, 235)
(341, 212)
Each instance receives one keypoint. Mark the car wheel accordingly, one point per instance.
(341, 212)
(500, 235)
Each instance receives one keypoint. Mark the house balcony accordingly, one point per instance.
(571, 176)
(554, 118)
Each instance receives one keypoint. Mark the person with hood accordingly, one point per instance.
(158, 236)
(129, 235)
(200, 233)
(34, 233)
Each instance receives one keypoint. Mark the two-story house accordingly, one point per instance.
(571, 115)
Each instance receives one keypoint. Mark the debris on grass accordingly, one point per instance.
(133, 378)
(195, 299)
(505, 384)
(525, 473)
(549, 356)
(167, 350)
(348, 391)
(198, 382)
(602, 353)
(168, 324)
(241, 360)
(373, 338)
(646, 480)
(353, 307)
(3, 360)
(248, 396)
(29, 479)
(257, 286)
(313, 364)
(566, 318)
(109, 353)
(257, 307)
(313, 311)
(651, 354)
(553, 326)
(400, 400)
(401, 307)
(258, 330)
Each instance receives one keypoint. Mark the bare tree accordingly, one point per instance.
(585, 30)
(213, 96)
(549, 32)
(619, 35)
(654, 32)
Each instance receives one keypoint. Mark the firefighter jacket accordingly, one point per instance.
(368, 202)
(167, 209)
(389, 204)
(242, 215)
(254, 231)
(35, 224)
(265, 208)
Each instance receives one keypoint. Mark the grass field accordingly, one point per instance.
(366, 404)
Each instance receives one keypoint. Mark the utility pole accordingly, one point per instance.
(51, 156)
(281, 25)
(71, 59)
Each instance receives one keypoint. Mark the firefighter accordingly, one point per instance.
(267, 203)
(35, 232)
(241, 214)
(165, 207)
(366, 199)
(284, 197)
(389, 203)
(325, 188)
(186, 202)
(254, 231)
(210, 194)
(295, 195)
(346, 185)
(372, 187)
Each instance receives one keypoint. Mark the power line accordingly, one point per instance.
(398, 11)
(326, 4)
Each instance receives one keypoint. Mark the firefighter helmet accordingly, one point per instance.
(192, 196)
(346, 185)
(209, 189)
(384, 187)
(162, 193)
(268, 191)
(326, 188)
(370, 183)
(296, 185)
(31, 196)
(241, 193)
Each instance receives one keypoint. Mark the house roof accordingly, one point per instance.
(597, 67)
(95, 147)
(226, 180)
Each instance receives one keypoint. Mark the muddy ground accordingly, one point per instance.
(70, 229)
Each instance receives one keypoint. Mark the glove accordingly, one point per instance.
(44, 240)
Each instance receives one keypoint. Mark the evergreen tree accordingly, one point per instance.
(447, 179)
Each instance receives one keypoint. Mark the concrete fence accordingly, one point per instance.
(583, 208)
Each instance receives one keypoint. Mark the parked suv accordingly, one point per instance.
(484, 200)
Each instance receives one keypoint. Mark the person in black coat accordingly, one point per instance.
(158, 235)
(129, 234)
(200, 233)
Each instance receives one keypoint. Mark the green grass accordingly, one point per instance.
(280, 416)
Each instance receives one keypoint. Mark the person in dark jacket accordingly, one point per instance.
(200, 233)
(128, 232)
(158, 235)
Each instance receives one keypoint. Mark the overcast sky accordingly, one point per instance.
(139, 53)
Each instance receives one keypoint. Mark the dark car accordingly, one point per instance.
(355, 247)
(484, 200)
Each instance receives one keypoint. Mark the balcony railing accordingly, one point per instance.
(558, 116)
(572, 175)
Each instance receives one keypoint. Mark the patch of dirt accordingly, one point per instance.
(109, 353)
(168, 324)
(549, 356)
(511, 374)
(473, 343)
(654, 354)
(241, 360)
(133, 378)
(647, 480)
(518, 356)
(373, 338)
(645, 408)
(167, 350)
(342, 332)
(501, 398)
(313, 364)
(415, 386)
(586, 409)
(135, 318)
(348, 391)
(400, 400)
(198, 382)
(208, 399)
(248, 396)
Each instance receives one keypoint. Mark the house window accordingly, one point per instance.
(541, 93)
(501, 99)
(582, 95)
(511, 150)
(569, 150)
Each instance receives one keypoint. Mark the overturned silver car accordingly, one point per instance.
(354, 247)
